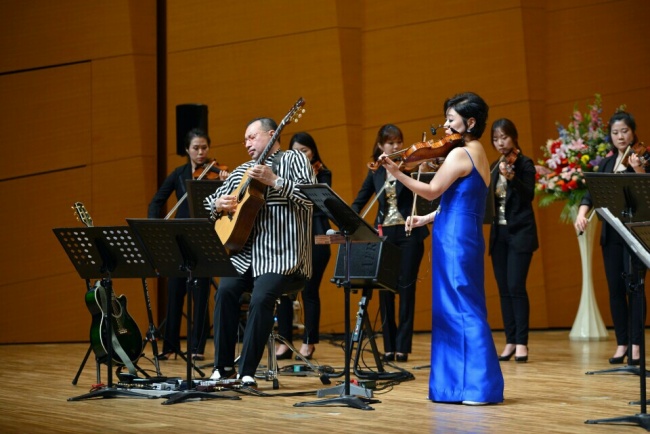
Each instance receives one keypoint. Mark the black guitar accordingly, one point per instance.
(123, 326)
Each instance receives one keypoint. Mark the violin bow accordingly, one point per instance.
(180, 201)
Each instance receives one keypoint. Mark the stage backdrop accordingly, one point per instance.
(89, 91)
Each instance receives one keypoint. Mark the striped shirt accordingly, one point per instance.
(280, 241)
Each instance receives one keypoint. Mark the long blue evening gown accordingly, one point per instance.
(464, 361)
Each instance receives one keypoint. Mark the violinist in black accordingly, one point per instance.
(395, 205)
(616, 256)
(513, 234)
(197, 146)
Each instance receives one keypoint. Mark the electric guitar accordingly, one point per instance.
(124, 328)
(234, 228)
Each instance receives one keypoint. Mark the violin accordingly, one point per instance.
(420, 152)
(641, 151)
(209, 170)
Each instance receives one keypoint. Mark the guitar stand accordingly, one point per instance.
(109, 391)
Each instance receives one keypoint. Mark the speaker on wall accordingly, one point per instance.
(189, 116)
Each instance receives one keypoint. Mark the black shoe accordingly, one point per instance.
(401, 357)
(521, 359)
(284, 356)
(634, 362)
(167, 355)
(507, 357)
(388, 357)
(617, 360)
(308, 356)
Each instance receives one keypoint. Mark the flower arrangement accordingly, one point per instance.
(579, 148)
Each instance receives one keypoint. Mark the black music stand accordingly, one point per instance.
(614, 192)
(105, 253)
(197, 191)
(633, 206)
(372, 266)
(354, 229)
(185, 248)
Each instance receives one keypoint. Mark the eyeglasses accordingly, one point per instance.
(252, 137)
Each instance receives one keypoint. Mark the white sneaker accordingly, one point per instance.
(248, 381)
(222, 374)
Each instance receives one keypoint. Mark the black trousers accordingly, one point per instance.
(265, 291)
(176, 294)
(510, 271)
(398, 337)
(310, 300)
(617, 260)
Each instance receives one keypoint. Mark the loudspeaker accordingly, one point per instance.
(189, 116)
(372, 265)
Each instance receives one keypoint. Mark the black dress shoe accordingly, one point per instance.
(634, 361)
(617, 360)
(507, 357)
(308, 356)
(388, 357)
(401, 357)
(284, 356)
(521, 359)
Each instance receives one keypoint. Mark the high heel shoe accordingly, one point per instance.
(307, 356)
(167, 355)
(521, 359)
(507, 357)
(284, 356)
(617, 360)
(634, 362)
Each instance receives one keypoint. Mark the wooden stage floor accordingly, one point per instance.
(549, 394)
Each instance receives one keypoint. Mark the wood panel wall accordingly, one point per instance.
(78, 121)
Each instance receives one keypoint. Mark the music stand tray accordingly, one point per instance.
(105, 253)
(197, 191)
(354, 229)
(185, 248)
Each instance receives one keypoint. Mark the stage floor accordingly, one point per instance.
(550, 393)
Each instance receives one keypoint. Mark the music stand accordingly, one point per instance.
(185, 248)
(197, 191)
(632, 207)
(354, 229)
(614, 192)
(105, 253)
(372, 266)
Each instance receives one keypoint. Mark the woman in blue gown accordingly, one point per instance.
(464, 362)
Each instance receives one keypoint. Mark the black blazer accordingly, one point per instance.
(174, 182)
(522, 229)
(374, 183)
(608, 234)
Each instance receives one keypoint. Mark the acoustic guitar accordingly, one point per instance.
(124, 328)
(234, 228)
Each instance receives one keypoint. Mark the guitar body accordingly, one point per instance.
(123, 326)
(234, 229)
